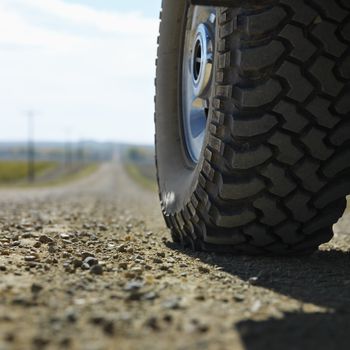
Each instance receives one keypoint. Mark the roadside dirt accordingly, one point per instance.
(90, 266)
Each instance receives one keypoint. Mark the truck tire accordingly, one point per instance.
(271, 171)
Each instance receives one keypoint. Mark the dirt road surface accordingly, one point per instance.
(90, 266)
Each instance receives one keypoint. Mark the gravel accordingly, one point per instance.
(92, 267)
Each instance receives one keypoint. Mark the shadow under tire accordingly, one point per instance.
(273, 172)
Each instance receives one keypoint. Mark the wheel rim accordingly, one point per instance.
(197, 76)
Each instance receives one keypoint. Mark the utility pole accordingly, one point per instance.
(31, 146)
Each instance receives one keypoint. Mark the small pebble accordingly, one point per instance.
(133, 285)
(137, 270)
(256, 306)
(129, 250)
(108, 327)
(150, 296)
(77, 263)
(36, 288)
(238, 297)
(157, 261)
(103, 227)
(253, 280)
(44, 239)
(172, 303)
(30, 258)
(10, 337)
(90, 261)
(51, 249)
(71, 316)
(37, 245)
(96, 270)
(121, 248)
(85, 255)
(152, 323)
(203, 269)
(65, 255)
(123, 265)
(129, 275)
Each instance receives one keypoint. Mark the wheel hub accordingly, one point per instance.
(202, 59)
(197, 60)
(196, 77)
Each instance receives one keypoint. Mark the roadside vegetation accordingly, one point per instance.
(139, 164)
(15, 171)
(47, 173)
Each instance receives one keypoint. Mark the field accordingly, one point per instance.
(15, 171)
(47, 173)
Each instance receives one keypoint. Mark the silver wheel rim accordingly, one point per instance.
(197, 76)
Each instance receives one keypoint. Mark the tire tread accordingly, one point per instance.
(274, 174)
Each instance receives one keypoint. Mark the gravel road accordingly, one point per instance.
(90, 266)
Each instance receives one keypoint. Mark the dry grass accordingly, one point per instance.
(14, 171)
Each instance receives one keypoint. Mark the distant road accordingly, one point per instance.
(89, 265)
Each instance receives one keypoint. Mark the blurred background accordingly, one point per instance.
(76, 87)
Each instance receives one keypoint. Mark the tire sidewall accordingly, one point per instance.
(177, 175)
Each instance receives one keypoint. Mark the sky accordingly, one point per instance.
(84, 67)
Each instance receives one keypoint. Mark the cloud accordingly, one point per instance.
(84, 68)
(111, 22)
(17, 27)
(16, 30)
